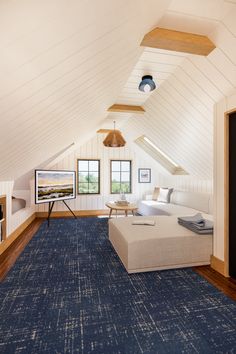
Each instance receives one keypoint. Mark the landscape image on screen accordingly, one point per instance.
(54, 185)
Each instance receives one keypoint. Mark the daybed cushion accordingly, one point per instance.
(198, 201)
(163, 246)
(181, 204)
(150, 207)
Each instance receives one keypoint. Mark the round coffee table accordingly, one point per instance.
(114, 206)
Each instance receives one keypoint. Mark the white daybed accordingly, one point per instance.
(181, 203)
(165, 245)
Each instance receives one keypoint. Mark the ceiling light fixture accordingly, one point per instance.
(114, 138)
(147, 84)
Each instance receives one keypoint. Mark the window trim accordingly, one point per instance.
(99, 175)
(130, 174)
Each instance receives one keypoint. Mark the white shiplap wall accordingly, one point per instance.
(190, 184)
(95, 149)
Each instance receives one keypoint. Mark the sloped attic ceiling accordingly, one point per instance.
(179, 114)
(64, 63)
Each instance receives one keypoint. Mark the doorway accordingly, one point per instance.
(231, 193)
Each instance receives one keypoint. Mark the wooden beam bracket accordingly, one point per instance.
(163, 38)
(124, 108)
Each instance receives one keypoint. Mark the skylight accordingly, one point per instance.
(161, 152)
(165, 161)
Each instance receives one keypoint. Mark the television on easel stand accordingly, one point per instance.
(54, 185)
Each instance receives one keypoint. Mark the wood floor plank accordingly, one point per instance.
(10, 255)
(226, 285)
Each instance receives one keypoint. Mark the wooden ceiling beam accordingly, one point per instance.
(124, 108)
(168, 39)
(105, 131)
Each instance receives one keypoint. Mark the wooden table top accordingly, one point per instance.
(113, 205)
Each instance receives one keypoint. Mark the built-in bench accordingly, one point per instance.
(18, 204)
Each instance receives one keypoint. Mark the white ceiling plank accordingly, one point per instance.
(64, 63)
(195, 87)
(224, 64)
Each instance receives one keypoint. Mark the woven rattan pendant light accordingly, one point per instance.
(114, 138)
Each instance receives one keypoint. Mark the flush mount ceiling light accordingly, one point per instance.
(147, 84)
(114, 138)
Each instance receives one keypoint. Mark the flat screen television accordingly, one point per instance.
(51, 186)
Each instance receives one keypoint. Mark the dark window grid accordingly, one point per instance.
(120, 171)
(89, 165)
(88, 184)
(119, 166)
(87, 171)
(89, 187)
(120, 188)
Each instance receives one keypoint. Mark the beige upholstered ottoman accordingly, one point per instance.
(165, 245)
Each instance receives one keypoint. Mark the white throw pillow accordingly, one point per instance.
(164, 195)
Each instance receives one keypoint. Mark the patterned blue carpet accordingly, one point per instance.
(69, 293)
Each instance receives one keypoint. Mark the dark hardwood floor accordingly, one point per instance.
(9, 257)
(227, 285)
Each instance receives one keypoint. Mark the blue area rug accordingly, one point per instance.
(69, 293)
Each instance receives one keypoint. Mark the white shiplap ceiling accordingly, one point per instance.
(63, 64)
(57, 71)
(179, 114)
(159, 63)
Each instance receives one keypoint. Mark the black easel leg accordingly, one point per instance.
(50, 206)
(69, 209)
